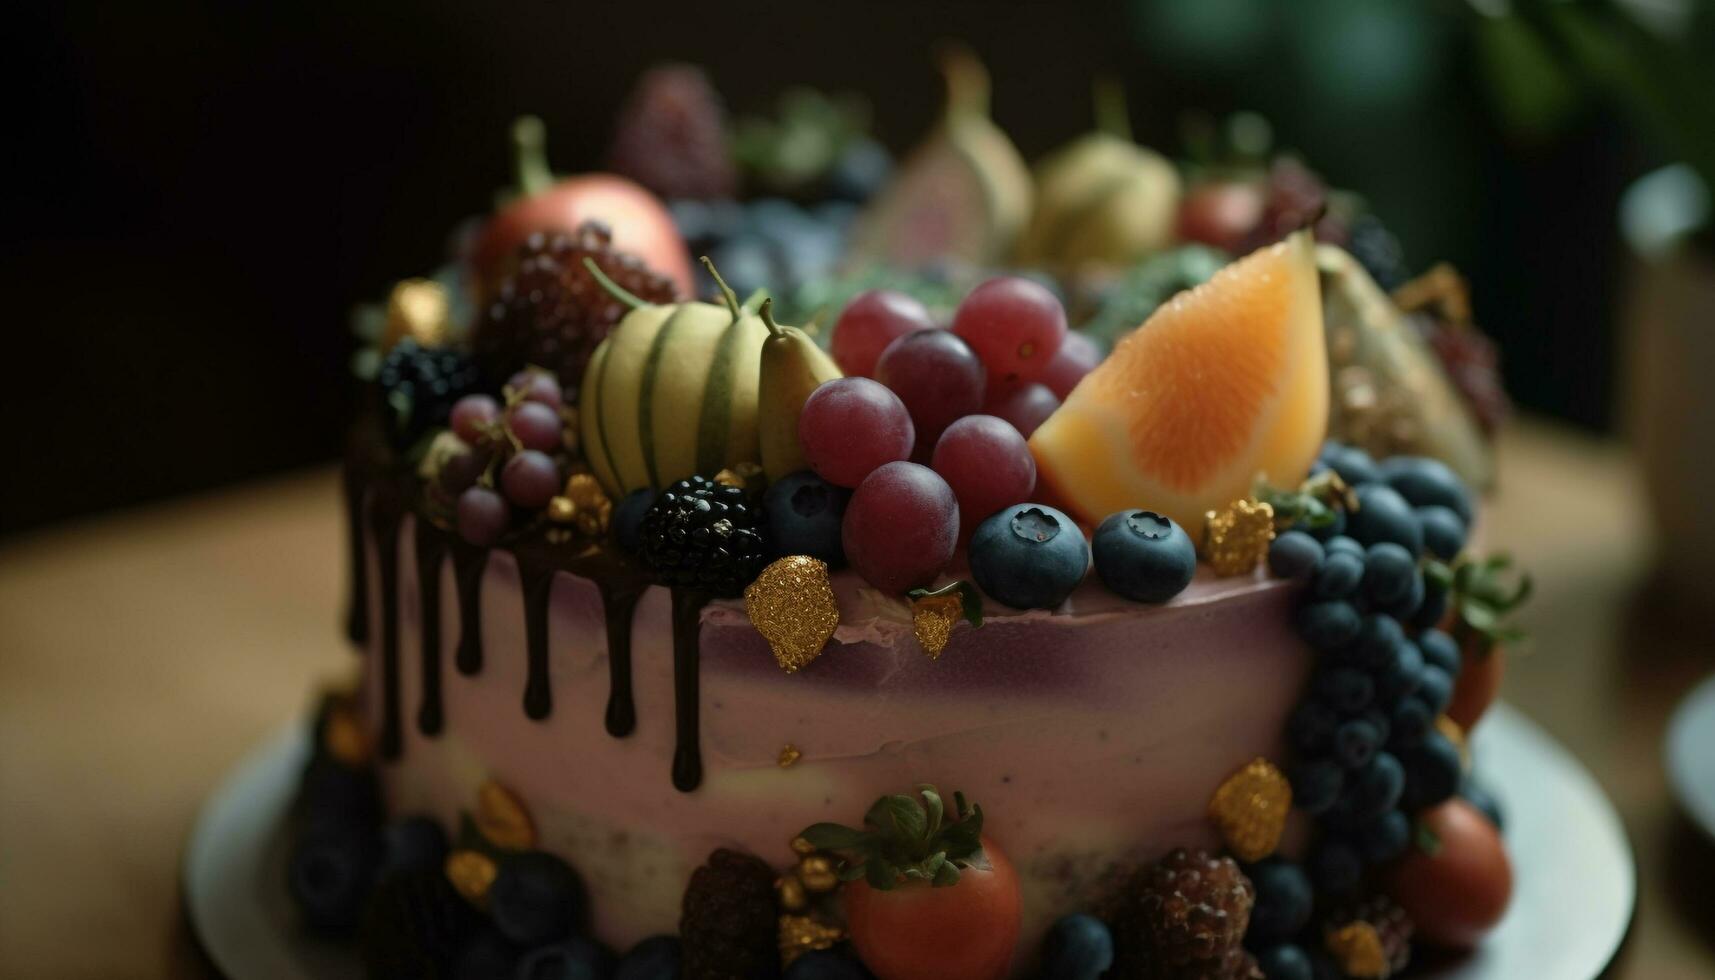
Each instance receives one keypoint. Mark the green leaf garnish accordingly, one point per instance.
(970, 600)
(907, 839)
(1483, 594)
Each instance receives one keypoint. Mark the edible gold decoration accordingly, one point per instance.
(793, 897)
(416, 308)
(788, 755)
(472, 874)
(801, 846)
(745, 476)
(799, 934)
(932, 619)
(1357, 949)
(584, 505)
(502, 819)
(344, 738)
(1236, 539)
(1250, 810)
(561, 510)
(818, 873)
(792, 605)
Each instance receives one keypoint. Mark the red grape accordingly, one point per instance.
(459, 472)
(901, 527)
(937, 376)
(1015, 325)
(987, 464)
(1078, 355)
(471, 415)
(537, 386)
(870, 322)
(536, 425)
(1025, 406)
(850, 426)
(482, 516)
(530, 479)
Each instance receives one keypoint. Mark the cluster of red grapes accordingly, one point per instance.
(928, 427)
(514, 455)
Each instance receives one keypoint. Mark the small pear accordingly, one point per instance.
(792, 367)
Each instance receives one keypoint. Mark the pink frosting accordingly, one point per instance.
(1092, 736)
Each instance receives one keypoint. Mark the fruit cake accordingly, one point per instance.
(956, 633)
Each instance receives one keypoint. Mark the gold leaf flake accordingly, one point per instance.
(932, 619)
(792, 605)
(818, 874)
(1357, 949)
(788, 755)
(801, 846)
(799, 934)
(1250, 810)
(791, 892)
(472, 874)
(344, 738)
(561, 510)
(502, 819)
(1237, 538)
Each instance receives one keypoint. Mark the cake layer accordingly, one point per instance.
(1091, 735)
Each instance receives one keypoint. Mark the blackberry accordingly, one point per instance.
(552, 313)
(672, 138)
(703, 535)
(418, 387)
(1183, 918)
(1378, 251)
(728, 921)
(415, 926)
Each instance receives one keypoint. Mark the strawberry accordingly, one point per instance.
(928, 898)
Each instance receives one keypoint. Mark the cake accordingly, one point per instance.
(946, 640)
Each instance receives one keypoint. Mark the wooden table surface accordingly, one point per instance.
(143, 653)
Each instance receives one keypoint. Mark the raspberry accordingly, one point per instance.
(550, 312)
(1183, 918)
(671, 136)
(1370, 940)
(418, 387)
(704, 535)
(415, 925)
(728, 921)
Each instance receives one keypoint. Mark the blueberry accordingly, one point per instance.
(1339, 575)
(1440, 650)
(1427, 482)
(1379, 718)
(1143, 556)
(537, 898)
(1328, 625)
(486, 956)
(627, 517)
(1443, 531)
(1388, 569)
(1383, 515)
(1285, 962)
(1294, 554)
(1341, 542)
(1434, 606)
(1434, 688)
(1405, 608)
(1410, 720)
(1485, 803)
(803, 512)
(1335, 866)
(827, 964)
(1353, 464)
(330, 873)
(1402, 674)
(331, 792)
(1311, 727)
(1284, 900)
(655, 958)
(1330, 530)
(413, 844)
(1316, 784)
(1355, 743)
(570, 959)
(1078, 947)
(1384, 838)
(1432, 771)
(1029, 557)
(1347, 689)
(1373, 649)
(1376, 787)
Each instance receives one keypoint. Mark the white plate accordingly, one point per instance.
(1574, 879)
(1691, 755)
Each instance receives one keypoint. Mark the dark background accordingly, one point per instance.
(200, 192)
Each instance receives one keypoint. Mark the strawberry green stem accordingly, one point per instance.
(530, 156)
(614, 289)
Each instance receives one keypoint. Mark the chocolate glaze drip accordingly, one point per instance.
(385, 513)
(357, 574)
(431, 550)
(687, 739)
(538, 582)
(469, 562)
(619, 607)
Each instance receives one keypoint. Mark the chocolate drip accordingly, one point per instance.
(357, 600)
(385, 514)
(619, 607)
(687, 747)
(431, 549)
(469, 562)
(538, 582)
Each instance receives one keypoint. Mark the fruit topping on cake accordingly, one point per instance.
(704, 536)
(672, 136)
(728, 918)
(1184, 917)
(1221, 384)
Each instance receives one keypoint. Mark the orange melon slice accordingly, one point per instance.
(1222, 383)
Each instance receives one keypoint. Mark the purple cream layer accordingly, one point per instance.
(1092, 736)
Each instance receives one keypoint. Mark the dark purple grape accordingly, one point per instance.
(530, 479)
(458, 473)
(537, 386)
(535, 425)
(482, 516)
(471, 416)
